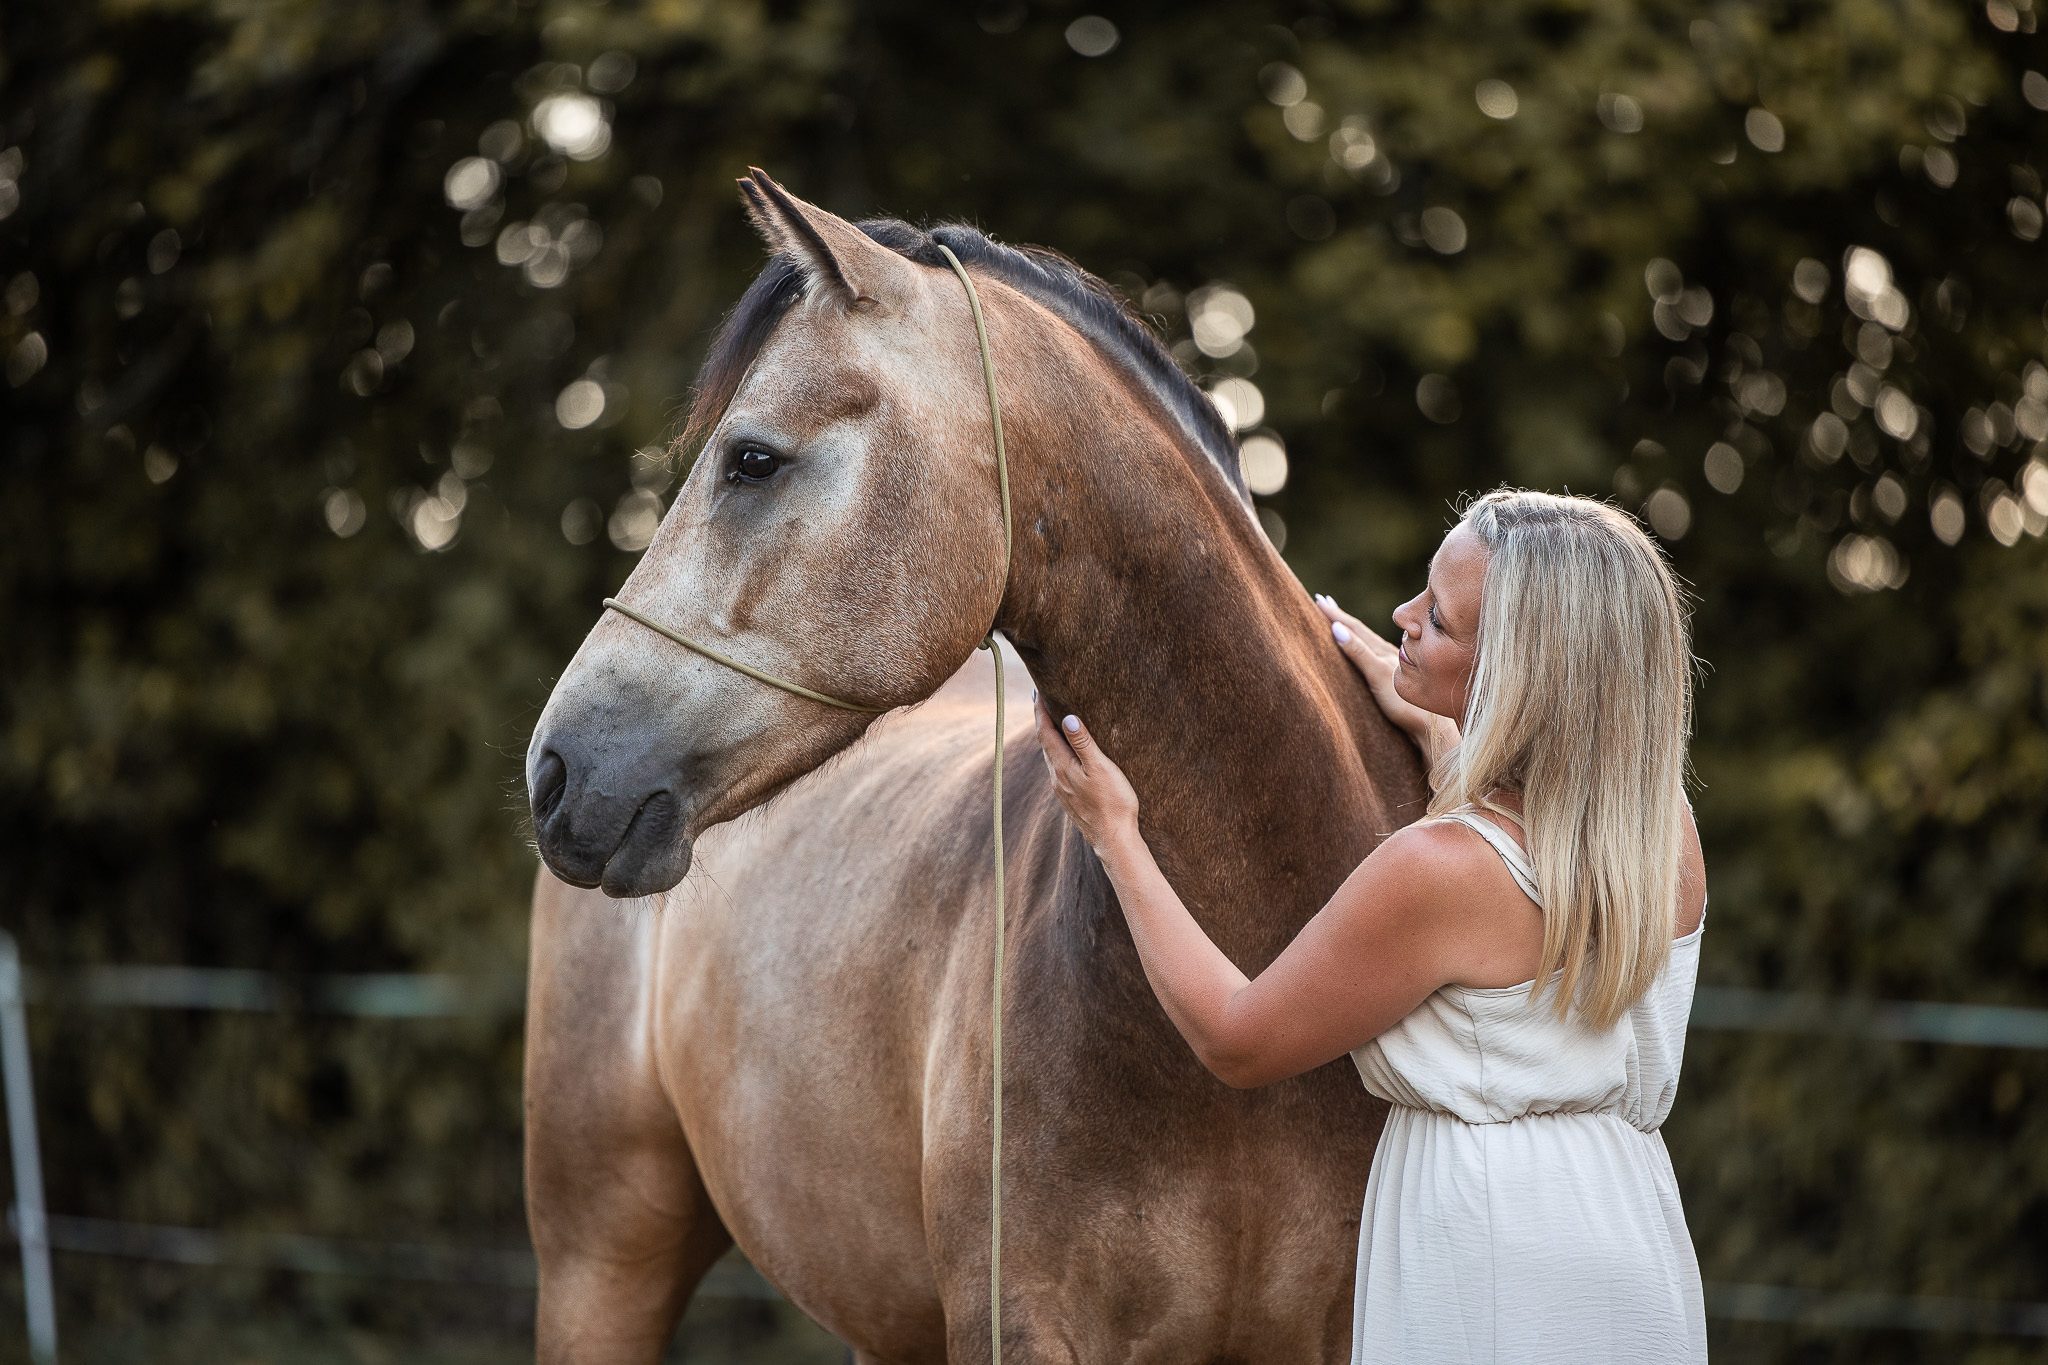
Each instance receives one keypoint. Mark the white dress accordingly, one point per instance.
(1522, 1207)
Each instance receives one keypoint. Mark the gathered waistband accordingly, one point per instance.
(1606, 1114)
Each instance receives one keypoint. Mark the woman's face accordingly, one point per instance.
(1440, 628)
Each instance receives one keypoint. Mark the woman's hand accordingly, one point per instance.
(1097, 795)
(1376, 658)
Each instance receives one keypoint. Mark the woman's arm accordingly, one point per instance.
(1381, 945)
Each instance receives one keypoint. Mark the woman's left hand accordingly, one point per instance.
(1097, 795)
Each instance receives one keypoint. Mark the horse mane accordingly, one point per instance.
(1066, 290)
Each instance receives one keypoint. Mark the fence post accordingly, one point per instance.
(31, 1224)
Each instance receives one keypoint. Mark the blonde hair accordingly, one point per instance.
(1581, 700)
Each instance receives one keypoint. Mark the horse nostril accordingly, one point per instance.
(550, 779)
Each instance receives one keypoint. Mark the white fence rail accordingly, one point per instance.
(27, 1218)
(1892, 1021)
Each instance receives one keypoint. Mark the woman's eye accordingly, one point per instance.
(755, 464)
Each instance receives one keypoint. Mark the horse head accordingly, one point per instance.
(840, 528)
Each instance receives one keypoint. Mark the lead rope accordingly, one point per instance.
(988, 642)
(995, 1160)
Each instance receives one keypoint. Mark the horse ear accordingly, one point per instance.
(833, 254)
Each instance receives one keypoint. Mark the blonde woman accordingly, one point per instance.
(1513, 973)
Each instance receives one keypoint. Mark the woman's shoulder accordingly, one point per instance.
(1450, 835)
(1436, 840)
(1488, 930)
(1459, 868)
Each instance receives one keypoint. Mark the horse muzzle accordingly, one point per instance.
(607, 818)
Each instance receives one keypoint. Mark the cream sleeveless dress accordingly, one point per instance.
(1521, 1206)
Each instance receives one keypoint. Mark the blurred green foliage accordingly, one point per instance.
(342, 342)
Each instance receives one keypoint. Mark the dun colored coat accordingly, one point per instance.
(778, 1034)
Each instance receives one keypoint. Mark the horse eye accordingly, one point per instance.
(756, 464)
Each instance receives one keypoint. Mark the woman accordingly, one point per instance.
(1513, 973)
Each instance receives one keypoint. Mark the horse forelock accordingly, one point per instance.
(1058, 284)
(738, 341)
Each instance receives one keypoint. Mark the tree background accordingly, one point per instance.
(342, 344)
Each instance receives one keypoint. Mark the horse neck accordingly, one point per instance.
(1145, 599)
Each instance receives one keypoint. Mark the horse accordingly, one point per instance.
(759, 1003)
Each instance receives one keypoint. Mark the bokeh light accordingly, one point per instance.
(471, 182)
(11, 163)
(1437, 398)
(1860, 564)
(1620, 113)
(1091, 35)
(1239, 400)
(1283, 84)
(1766, 132)
(1723, 467)
(1352, 145)
(581, 520)
(344, 511)
(27, 357)
(1264, 458)
(580, 404)
(159, 465)
(1496, 99)
(1219, 317)
(1444, 230)
(635, 520)
(1669, 513)
(574, 125)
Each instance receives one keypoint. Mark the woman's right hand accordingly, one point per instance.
(1376, 658)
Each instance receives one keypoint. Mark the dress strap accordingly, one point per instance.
(1510, 852)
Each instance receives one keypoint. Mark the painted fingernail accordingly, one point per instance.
(1342, 635)
(1072, 725)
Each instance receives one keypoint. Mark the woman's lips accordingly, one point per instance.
(1402, 650)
